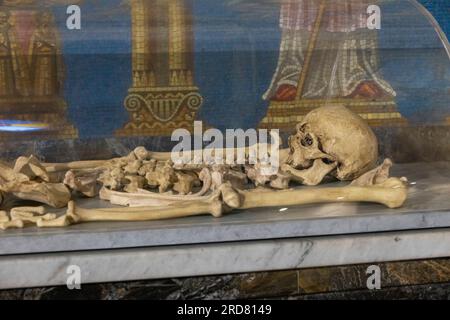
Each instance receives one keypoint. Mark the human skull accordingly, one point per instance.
(334, 135)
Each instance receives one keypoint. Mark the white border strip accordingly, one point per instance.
(25, 271)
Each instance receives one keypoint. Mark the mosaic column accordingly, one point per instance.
(179, 49)
(163, 96)
(143, 75)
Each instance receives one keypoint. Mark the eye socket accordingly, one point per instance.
(301, 127)
(307, 141)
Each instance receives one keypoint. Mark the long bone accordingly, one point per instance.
(144, 198)
(391, 193)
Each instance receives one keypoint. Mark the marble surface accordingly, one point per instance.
(428, 207)
(103, 266)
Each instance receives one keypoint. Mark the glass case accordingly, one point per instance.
(143, 69)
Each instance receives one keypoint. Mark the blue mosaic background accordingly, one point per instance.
(440, 9)
(236, 55)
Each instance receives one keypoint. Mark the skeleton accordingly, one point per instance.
(331, 142)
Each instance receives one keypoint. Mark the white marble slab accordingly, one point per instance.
(428, 207)
(24, 271)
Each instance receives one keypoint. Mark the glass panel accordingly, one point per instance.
(96, 79)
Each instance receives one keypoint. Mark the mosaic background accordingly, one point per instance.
(236, 54)
(237, 45)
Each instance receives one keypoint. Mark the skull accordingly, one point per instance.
(333, 136)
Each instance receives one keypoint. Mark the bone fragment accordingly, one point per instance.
(32, 168)
(311, 176)
(83, 181)
(4, 216)
(375, 176)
